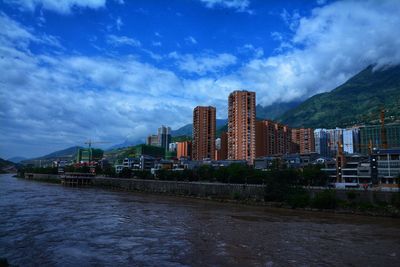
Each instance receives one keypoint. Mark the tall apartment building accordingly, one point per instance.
(335, 137)
(221, 151)
(242, 126)
(204, 127)
(184, 149)
(164, 137)
(304, 137)
(321, 139)
(272, 138)
(152, 140)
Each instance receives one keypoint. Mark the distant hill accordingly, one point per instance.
(7, 166)
(275, 110)
(126, 143)
(68, 153)
(16, 159)
(187, 129)
(357, 101)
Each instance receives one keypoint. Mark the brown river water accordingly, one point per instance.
(50, 225)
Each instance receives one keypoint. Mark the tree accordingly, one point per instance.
(313, 176)
(125, 173)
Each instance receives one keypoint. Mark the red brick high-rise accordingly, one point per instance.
(221, 153)
(242, 126)
(272, 138)
(204, 127)
(304, 137)
(183, 149)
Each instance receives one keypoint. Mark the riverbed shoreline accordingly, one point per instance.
(146, 187)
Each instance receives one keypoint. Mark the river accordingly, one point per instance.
(49, 225)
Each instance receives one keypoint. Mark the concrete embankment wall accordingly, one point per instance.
(201, 189)
(42, 177)
(219, 190)
(369, 196)
(214, 190)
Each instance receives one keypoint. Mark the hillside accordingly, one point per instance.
(275, 110)
(16, 159)
(357, 101)
(187, 129)
(67, 154)
(7, 166)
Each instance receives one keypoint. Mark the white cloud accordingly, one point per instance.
(122, 40)
(66, 99)
(60, 6)
(239, 5)
(332, 44)
(256, 52)
(190, 40)
(119, 23)
(204, 63)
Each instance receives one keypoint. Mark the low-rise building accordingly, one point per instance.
(131, 163)
(147, 162)
(388, 166)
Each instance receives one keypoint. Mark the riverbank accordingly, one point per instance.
(360, 202)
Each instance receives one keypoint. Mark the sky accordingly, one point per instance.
(115, 70)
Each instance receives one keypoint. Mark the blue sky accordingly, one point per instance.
(115, 70)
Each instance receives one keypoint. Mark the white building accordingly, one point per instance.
(172, 147)
(350, 140)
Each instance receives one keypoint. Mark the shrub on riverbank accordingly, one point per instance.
(4, 262)
(298, 198)
(325, 200)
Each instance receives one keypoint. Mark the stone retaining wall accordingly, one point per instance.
(214, 190)
(220, 190)
(201, 189)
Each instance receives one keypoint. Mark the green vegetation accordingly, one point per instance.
(358, 100)
(117, 155)
(181, 138)
(325, 200)
(275, 110)
(187, 130)
(222, 129)
(7, 166)
(4, 262)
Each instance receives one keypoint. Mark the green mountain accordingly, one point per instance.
(66, 154)
(357, 101)
(16, 159)
(275, 110)
(187, 129)
(7, 166)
